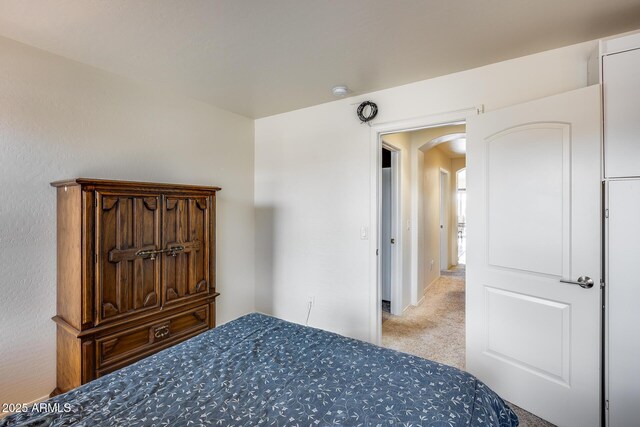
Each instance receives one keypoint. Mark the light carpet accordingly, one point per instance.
(435, 330)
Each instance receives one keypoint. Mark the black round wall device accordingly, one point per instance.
(367, 111)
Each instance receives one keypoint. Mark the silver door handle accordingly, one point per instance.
(585, 282)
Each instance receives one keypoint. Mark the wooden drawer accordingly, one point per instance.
(149, 338)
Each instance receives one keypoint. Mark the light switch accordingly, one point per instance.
(364, 233)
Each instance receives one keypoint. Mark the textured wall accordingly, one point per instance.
(60, 119)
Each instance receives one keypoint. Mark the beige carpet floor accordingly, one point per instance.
(435, 330)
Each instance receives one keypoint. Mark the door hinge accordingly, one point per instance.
(376, 252)
(606, 404)
(606, 213)
(601, 283)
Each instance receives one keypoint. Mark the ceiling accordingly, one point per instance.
(262, 57)
(455, 148)
(451, 140)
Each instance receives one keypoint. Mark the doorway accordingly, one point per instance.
(434, 325)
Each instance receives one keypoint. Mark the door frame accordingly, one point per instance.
(445, 201)
(456, 208)
(375, 162)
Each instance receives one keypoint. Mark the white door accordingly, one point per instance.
(534, 219)
(621, 106)
(386, 234)
(444, 220)
(623, 318)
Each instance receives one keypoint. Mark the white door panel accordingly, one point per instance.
(512, 341)
(527, 209)
(386, 234)
(623, 327)
(621, 105)
(533, 219)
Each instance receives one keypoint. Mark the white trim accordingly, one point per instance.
(416, 187)
(375, 145)
(456, 207)
(426, 288)
(619, 43)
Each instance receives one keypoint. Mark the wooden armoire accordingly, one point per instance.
(136, 272)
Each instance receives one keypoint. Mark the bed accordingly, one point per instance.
(262, 371)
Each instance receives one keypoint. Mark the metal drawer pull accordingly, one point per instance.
(173, 251)
(161, 332)
(585, 282)
(151, 253)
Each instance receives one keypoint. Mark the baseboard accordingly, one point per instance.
(38, 400)
(421, 300)
(429, 285)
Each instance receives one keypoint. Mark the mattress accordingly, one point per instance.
(262, 371)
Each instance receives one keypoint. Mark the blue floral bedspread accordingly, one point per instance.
(262, 371)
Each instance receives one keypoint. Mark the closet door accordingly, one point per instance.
(621, 89)
(186, 236)
(127, 277)
(623, 319)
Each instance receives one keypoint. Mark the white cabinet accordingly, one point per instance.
(621, 90)
(623, 316)
(620, 78)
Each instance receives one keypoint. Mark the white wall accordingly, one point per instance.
(456, 165)
(434, 161)
(313, 182)
(423, 275)
(60, 119)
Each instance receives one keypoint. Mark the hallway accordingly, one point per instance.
(435, 330)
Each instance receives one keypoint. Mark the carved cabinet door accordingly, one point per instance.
(127, 272)
(186, 261)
